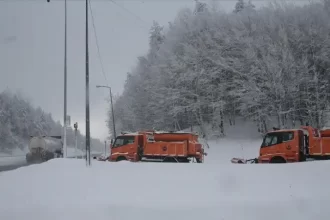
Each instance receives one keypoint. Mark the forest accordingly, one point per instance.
(269, 65)
(19, 120)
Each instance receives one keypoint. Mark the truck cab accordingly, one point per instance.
(125, 147)
(281, 146)
(292, 145)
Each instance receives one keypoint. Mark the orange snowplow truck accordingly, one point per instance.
(153, 146)
(292, 145)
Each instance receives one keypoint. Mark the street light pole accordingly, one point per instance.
(112, 112)
(105, 149)
(65, 79)
(88, 149)
(113, 115)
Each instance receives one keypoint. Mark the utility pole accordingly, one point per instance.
(112, 112)
(65, 79)
(113, 115)
(76, 138)
(88, 148)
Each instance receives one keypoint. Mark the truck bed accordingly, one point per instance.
(173, 149)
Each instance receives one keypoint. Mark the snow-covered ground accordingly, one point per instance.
(65, 189)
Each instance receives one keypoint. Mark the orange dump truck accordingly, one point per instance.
(153, 146)
(292, 145)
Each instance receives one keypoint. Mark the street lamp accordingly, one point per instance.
(112, 112)
(65, 80)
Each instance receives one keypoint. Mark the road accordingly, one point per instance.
(12, 166)
(24, 164)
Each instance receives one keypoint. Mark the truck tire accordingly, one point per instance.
(170, 160)
(302, 157)
(48, 156)
(277, 160)
(121, 158)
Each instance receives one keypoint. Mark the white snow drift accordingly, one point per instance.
(65, 189)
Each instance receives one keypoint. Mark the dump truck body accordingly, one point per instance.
(318, 143)
(159, 147)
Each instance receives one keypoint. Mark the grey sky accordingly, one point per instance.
(31, 50)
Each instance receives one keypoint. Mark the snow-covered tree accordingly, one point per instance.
(209, 67)
(19, 120)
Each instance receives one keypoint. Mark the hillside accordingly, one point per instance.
(268, 65)
(19, 119)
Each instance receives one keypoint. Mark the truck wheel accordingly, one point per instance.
(48, 156)
(170, 160)
(302, 157)
(277, 160)
(121, 158)
(28, 158)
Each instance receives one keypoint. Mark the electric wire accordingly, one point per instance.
(97, 43)
(142, 1)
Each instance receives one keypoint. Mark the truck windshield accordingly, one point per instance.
(277, 138)
(123, 140)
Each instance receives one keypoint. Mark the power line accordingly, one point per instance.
(128, 11)
(144, 23)
(96, 37)
(97, 43)
(142, 1)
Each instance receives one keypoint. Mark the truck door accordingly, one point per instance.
(279, 143)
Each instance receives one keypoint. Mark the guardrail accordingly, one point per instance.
(5, 156)
(71, 156)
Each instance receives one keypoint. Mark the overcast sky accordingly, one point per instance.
(32, 48)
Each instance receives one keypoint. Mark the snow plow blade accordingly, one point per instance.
(241, 160)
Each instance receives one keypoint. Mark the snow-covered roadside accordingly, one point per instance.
(65, 189)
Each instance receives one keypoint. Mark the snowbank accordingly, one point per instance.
(65, 189)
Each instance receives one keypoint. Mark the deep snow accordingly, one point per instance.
(65, 189)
